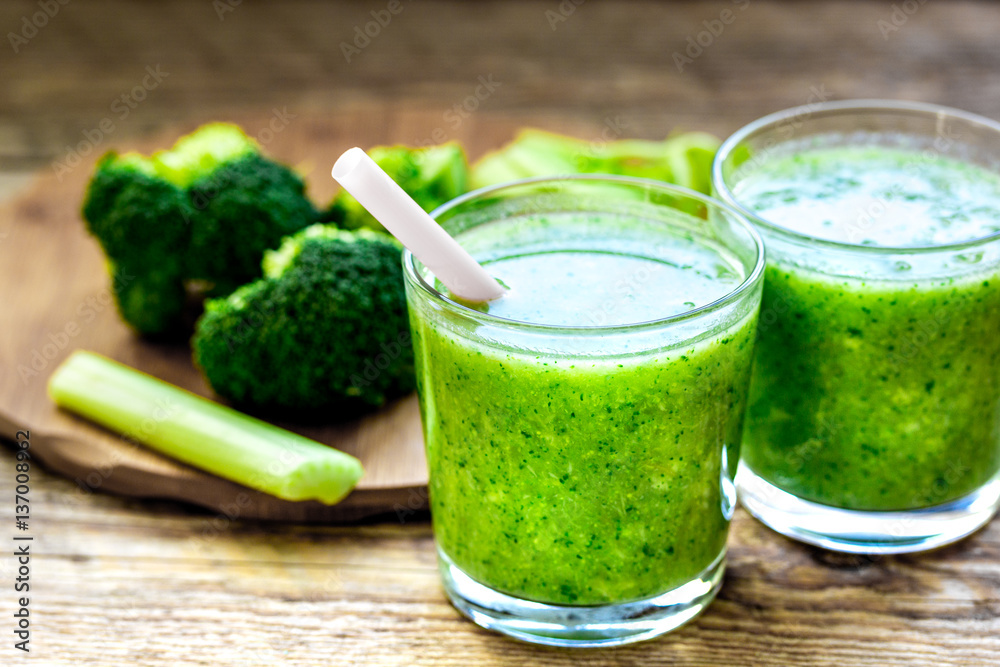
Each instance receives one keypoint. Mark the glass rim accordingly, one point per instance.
(844, 107)
(754, 276)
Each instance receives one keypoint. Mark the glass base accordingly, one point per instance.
(865, 532)
(580, 626)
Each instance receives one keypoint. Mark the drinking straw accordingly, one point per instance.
(390, 205)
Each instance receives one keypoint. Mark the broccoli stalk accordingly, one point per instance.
(324, 331)
(198, 215)
(432, 176)
(201, 433)
(684, 159)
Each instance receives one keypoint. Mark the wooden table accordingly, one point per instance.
(120, 582)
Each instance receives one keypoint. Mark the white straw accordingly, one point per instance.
(414, 228)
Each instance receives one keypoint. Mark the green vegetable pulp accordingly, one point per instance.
(882, 393)
(577, 478)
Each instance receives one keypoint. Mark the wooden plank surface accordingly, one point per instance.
(126, 582)
(140, 583)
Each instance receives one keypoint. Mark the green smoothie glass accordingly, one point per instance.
(582, 432)
(873, 423)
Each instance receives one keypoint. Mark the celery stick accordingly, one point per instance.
(684, 159)
(495, 168)
(529, 159)
(201, 433)
(532, 153)
(690, 156)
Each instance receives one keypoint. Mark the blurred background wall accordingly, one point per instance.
(639, 68)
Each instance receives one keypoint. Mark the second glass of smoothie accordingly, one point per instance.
(582, 432)
(873, 423)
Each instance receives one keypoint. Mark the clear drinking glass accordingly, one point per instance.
(581, 477)
(873, 424)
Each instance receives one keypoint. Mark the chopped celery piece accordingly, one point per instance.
(202, 433)
(684, 159)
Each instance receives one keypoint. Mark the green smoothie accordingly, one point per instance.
(567, 474)
(876, 388)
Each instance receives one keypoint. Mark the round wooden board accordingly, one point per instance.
(54, 293)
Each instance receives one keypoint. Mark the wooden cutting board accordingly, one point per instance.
(55, 298)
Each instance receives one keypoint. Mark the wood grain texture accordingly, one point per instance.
(124, 582)
(609, 58)
(143, 582)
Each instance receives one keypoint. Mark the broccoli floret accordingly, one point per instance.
(324, 331)
(139, 220)
(432, 176)
(152, 302)
(244, 208)
(200, 214)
